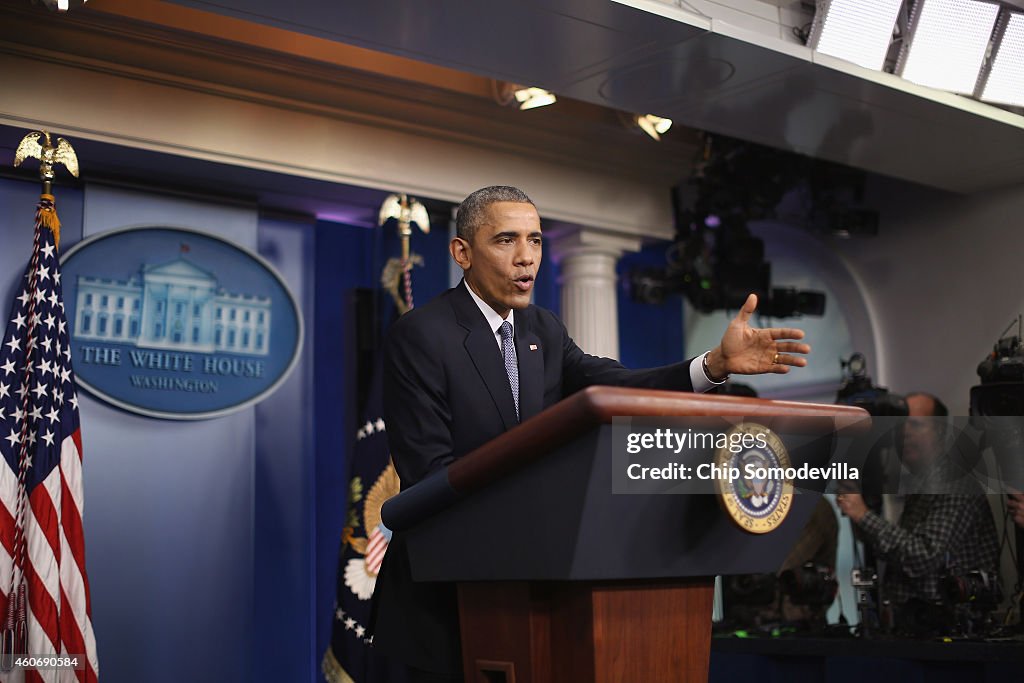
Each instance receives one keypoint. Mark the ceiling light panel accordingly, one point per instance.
(1004, 81)
(946, 43)
(858, 31)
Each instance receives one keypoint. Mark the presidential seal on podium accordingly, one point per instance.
(753, 488)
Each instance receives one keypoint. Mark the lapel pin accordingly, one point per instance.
(533, 347)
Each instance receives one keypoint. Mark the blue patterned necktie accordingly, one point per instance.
(508, 349)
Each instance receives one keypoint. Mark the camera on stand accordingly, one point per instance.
(811, 584)
(865, 590)
(858, 390)
(976, 588)
(795, 601)
(997, 410)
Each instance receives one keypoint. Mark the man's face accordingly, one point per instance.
(921, 438)
(501, 259)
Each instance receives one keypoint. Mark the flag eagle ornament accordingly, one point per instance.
(44, 592)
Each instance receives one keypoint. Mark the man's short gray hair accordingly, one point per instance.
(473, 208)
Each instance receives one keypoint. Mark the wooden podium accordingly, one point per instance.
(562, 581)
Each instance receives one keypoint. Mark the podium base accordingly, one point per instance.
(579, 632)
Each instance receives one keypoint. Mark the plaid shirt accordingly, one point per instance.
(938, 534)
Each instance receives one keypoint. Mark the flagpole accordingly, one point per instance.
(407, 211)
(349, 657)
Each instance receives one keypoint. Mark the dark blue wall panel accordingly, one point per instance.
(285, 485)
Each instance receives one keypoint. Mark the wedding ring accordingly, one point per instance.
(775, 361)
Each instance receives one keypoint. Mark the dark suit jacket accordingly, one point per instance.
(446, 392)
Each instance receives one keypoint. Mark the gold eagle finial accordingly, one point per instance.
(48, 154)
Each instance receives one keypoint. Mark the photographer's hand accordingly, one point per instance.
(852, 505)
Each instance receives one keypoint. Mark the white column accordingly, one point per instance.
(587, 260)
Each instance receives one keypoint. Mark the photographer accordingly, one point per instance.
(946, 527)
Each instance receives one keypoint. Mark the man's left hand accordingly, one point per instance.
(746, 350)
(852, 505)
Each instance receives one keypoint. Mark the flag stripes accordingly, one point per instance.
(41, 536)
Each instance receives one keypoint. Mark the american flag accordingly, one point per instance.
(375, 549)
(43, 554)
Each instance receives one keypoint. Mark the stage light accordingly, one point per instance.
(946, 43)
(531, 98)
(655, 126)
(527, 97)
(858, 31)
(1003, 79)
(61, 5)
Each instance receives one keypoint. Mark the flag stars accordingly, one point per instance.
(49, 321)
(339, 614)
(44, 367)
(19, 320)
(48, 250)
(360, 631)
(8, 367)
(24, 297)
(39, 295)
(36, 413)
(379, 424)
(40, 391)
(13, 345)
(44, 273)
(48, 437)
(47, 343)
(53, 415)
(56, 277)
(350, 624)
(74, 401)
(53, 297)
(65, 375)
(18, 414)
(14, 439)
(61, 327)
(4, 389)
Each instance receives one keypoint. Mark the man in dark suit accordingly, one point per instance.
(478, 360)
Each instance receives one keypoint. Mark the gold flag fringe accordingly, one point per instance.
(48, 218)
(332, 669)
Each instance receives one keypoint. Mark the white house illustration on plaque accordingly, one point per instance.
(175, 305)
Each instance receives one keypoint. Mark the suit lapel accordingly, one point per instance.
(483, 352)
(531, 369)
